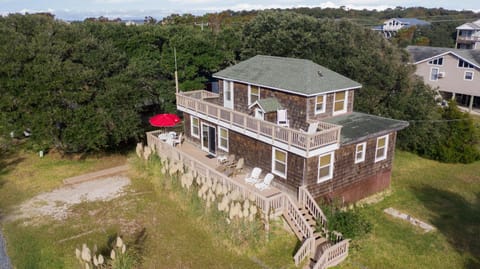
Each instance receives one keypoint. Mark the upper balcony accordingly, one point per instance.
(197, 103)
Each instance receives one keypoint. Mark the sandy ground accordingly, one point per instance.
(57, 202)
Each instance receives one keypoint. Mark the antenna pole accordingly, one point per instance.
(176, 73)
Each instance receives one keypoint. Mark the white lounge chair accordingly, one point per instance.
(282, 119)
(178, 140)
(253, 177)
(266, 182)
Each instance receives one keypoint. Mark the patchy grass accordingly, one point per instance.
(162, 224)
(444, 195)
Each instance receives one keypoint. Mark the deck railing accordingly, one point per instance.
(305, 251)
(306, 200)
(194, 101)
(333, 255)
(296, 218)
(270, 206)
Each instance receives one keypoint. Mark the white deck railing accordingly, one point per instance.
(333, 255)
(296, 218)
(195, 101)
(306, 200)
(272, 205)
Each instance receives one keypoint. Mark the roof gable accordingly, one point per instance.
(292, 75)
(422, 54)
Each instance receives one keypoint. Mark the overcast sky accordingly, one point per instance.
(79, 9)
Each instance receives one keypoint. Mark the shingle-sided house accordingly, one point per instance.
(454, 72)
(295, 119)
(468, 35)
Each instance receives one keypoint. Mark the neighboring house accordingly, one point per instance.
(294, 118)
(392, 26)
(454, 72)
(468, 36)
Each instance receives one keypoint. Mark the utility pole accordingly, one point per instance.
(176, 73)
(202, 24)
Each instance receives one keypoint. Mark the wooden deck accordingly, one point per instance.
(195, 152)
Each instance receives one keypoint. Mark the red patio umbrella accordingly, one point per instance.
(164, 120)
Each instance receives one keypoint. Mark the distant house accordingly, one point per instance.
(392, 26)
(468, 35)
(454, 72)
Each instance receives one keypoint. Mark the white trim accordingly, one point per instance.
(364, 149)
(191, 126)
(220, 138)
(288, 91)
(265, 139)
(250, 94)
(431, 71)
(228, 84)
(345, 104)
(330, 165)
(465, 75)
(279, 173)
(385, 149)
(445, 53)
(323, 104)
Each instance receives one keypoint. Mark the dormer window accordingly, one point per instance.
(436, 61)
(253, 94)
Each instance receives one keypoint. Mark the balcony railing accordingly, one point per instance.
(194, 101)
(468, 38)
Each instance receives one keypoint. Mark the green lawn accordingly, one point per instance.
(165, 225)
(444, 195)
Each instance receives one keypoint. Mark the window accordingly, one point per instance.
(468, 75)
(464, 64)
(223, 138)
(279, 162)
(253, 94)
(360, 152)
(320, 104)
(381, 150)
(340, 102)
(325, 167)
(437, 61)
(434, 74)
(227, 90)
(195, 127)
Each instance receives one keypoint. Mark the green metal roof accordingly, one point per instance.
(359, 126)
(298, 76)
(268, 104)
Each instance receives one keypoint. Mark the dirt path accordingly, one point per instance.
(57, 202)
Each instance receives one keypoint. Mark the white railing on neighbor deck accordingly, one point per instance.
(194, 101)
(272, 205)
(306, 200)
(333, 255)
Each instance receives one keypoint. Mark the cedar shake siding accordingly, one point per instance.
(259, 154)
(351, 181)
(329, 106)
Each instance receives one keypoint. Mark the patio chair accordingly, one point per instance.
(312, 128)
(253, 178)
(282, 119)
(265, 184)
(238, 167)
(178, 140)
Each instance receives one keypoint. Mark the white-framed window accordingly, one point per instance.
(381, 149)
(436, 61)
(468, 75)
(464, 64)
(195, 127)
(325, 167)
(360, 152)
(223, 138)
(228, 94)
(434, 74)
(253, 94)
(320, 104)
(279, 162)
(340, 102)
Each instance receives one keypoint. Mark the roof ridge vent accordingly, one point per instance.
(319, 73)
